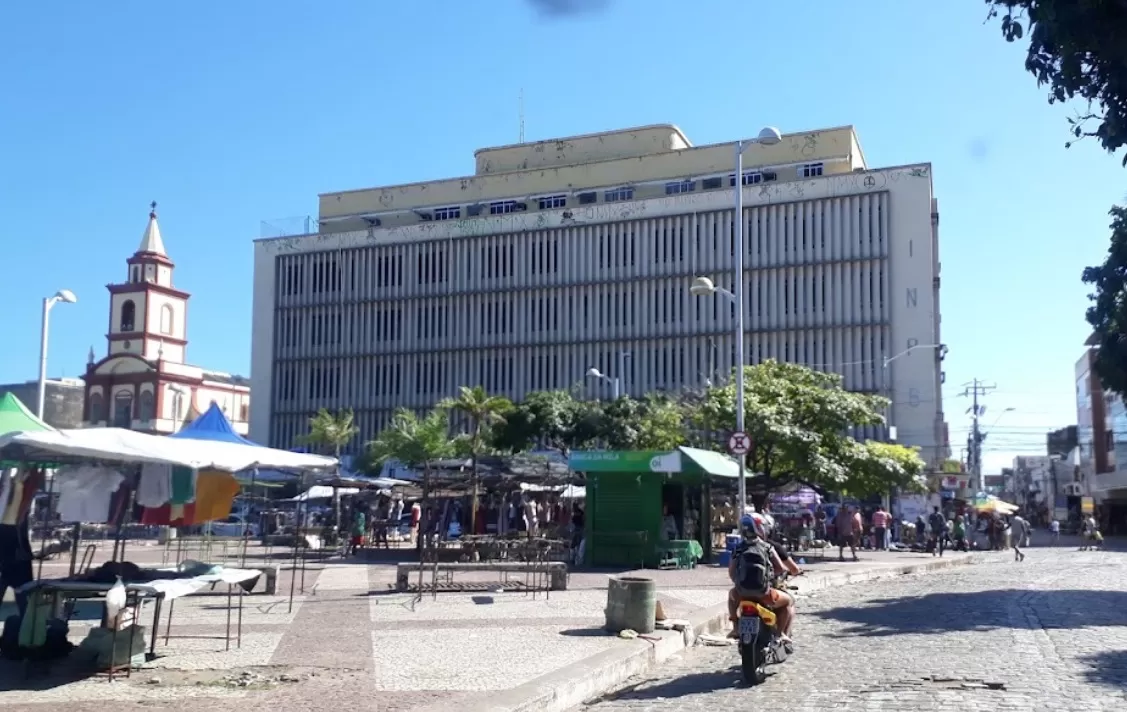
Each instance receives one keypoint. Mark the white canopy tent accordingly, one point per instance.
(118, 445)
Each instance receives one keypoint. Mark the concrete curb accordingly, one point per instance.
(574, 684)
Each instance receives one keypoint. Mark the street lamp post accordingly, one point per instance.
(702, 285)
(616, 381)
(63, 295)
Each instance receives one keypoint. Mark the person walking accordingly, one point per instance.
(880, 529)
(1019, 530)
(938, 524)
(1054, 531)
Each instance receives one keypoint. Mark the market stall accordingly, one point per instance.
(106, 471)
(648, 508)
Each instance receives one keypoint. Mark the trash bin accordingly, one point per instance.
(631, 604)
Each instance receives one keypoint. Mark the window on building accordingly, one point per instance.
(503, 207)
(244, 413)
(123, 410)
(616, 195)
(680, 186)
(810, 170)
(97, 408)
(135, 274)
(147, 409)
(712, 183)
(553, 201)
(166, 319)
(588, 198)
(750, 178)
(128, 315)
(450, 213)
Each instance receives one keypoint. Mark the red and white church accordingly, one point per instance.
(144, 383)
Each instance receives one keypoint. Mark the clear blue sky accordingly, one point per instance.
(233, 113)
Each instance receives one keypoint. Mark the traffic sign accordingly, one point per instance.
(739, 443)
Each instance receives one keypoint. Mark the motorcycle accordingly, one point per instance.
(759, 642)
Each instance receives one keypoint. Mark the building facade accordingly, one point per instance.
(561, 256)
(144, 382)
(62, 400)
(1093, 434)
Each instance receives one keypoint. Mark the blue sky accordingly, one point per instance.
(229, 114)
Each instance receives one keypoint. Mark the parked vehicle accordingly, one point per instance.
(233, 526)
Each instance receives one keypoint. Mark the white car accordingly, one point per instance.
(233, 526)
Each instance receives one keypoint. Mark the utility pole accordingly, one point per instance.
(974, 389)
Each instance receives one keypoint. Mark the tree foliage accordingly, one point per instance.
(1108, 311)
(798, 420)
(1077, 49)
(416, 442)
(329, 432)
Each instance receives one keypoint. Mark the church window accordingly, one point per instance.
(135, 274)
(97, 408)
(147, 409)
(128, 315)
(123, 408)
(166, 319)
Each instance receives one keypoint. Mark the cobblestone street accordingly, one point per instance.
(1049, 633)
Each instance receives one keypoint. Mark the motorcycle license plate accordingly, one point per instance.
(749, 628)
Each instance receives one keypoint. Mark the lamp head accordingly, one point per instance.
(702, 287)
(594, 373)
(769, 136)
(65, 295)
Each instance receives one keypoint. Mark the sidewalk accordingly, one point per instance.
(350, 643)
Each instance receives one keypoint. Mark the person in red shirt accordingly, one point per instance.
(880, 528)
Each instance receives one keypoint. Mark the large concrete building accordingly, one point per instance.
(559, 256)
(62, 400)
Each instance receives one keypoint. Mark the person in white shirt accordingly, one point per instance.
(1054, 529)
(1019, 530)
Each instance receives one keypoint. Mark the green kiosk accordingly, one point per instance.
(647, 508)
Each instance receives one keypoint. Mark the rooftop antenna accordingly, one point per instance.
(521, 139)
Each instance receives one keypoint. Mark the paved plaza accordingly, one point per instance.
(350, 641)
(1046, 634)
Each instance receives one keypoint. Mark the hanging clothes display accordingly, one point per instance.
(215, 493)
(183, 485)
(169, 515)
(154, 488)
(32, 485)
(85, 492)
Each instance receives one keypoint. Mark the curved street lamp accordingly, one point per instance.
(67, 297)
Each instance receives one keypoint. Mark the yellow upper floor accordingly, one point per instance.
(627, 164)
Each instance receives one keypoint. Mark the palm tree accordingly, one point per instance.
(329, 431)
(415, 442)
(483, 411)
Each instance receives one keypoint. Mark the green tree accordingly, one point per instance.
(1077, 49)
(415, 442)
(798, 420)
(550, 419)
(329, 432)
(482, 412)
(655, 422)
(1108, 311)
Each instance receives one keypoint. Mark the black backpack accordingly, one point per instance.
(753, 569)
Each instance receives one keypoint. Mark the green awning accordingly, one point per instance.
(711, 463)
(16, 418)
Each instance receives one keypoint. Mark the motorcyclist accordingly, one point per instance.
(752, 582)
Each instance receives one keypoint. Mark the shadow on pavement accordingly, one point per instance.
(1107, 668)
(697, 683)
(937, 613)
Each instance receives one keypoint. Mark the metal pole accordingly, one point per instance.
(43, 359)
(616, 387)
(620, 382)
(738, 292)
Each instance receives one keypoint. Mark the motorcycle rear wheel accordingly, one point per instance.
(753, 662)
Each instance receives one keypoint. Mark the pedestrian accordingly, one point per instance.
(846, 535)
(1019, 530)
(938, 524)
(880, 528)
(959, 532)
(1054, 531)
